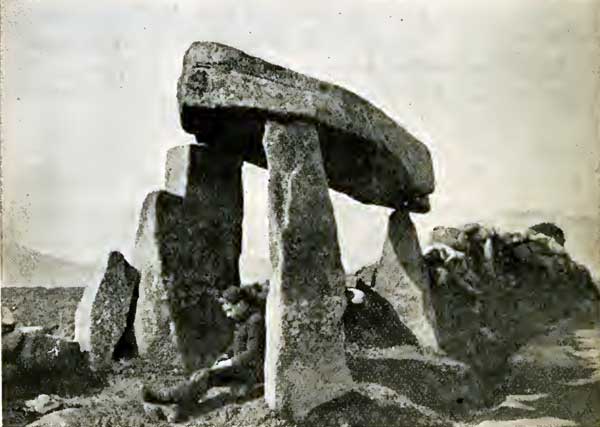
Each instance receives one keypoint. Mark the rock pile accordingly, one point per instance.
(493, 291)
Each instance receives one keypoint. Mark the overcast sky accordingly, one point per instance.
(503, 93)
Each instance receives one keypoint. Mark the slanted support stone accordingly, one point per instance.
(305, 363)
(403, 280)
(101, 316)
(187, 250)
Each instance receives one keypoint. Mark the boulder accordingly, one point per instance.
(403, 280)
(187, 251)
(101, 317)
(304, 364)
(365, 153)
(372, 321)
(53, 308)
(437, 382)
(44, 404)
(41, 363)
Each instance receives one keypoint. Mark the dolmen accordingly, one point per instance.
(311, 136)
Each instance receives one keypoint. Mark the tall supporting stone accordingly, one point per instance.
(305, 363)
(187, 251)
(403, 280)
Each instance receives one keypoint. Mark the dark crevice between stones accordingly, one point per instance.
(126, 347)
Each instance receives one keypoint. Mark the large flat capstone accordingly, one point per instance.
(365, 153)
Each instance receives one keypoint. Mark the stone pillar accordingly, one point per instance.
(101, 316)
(403, 280)
(305, 363)
(187, 251)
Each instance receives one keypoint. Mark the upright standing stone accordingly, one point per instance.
(101, 316)
(187, 250)
(403, 280)
(305, 362)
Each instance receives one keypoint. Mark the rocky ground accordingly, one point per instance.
(545, 388)
(520, 334)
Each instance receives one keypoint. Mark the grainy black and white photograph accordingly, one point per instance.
(345, 213)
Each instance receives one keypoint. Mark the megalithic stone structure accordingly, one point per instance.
(305, 361)
(187, 251)
(311, 135)
(365, 153)
(402, 279)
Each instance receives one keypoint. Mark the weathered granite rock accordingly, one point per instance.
(494, 291)
(440, 383)
(380, 349)
(53, 308)
(40, 363)
(44, 404)
(365, 153)
(101, 317)
(187, 251)
(8, 320)
(373, 322)
(402, 279)
(305, 364)
(550, 230)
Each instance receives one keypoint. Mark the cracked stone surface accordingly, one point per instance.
(402, 279)
(187, 251)
(305, 363)
(101, 317)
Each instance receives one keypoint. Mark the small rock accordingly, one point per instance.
(358, 296)
(8, 320)
(43, 404)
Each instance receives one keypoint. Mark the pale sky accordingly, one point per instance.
(504, 93)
